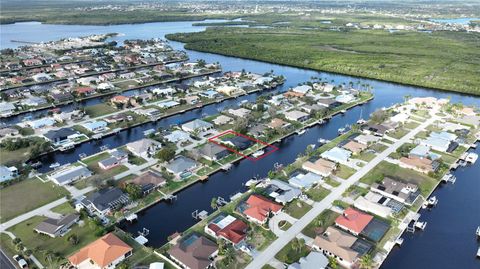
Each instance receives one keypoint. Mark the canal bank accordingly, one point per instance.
(164, 218)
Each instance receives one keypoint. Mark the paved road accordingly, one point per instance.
(5, 262)
(267, 255)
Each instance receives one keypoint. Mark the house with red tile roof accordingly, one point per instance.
(227, 227)
(258, 208)
(85, 90)
(353, 220)
(106, 252)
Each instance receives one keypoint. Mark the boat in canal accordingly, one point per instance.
(259, 153)
(54, 165)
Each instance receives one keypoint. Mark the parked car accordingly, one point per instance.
(20, 261)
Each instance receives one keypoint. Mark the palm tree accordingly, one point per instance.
(332, 262)
(366, 262)
(214, 203)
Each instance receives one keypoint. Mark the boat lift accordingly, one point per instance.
(200, 215)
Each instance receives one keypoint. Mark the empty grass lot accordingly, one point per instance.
(386, 169)
(27, 195)
(297, 208)
(317, 193)
(344, 171)
(99, 110)
(320, 223)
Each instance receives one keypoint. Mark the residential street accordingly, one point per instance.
(268, 254)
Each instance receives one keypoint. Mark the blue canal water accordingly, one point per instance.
(448, 241)
(463, 21)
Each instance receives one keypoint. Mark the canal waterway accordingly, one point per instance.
(443, 247)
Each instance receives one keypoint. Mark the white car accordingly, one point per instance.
(21, 262)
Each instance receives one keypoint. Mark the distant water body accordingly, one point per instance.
(448, 241)
(463, 21)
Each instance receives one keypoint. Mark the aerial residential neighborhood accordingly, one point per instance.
(239, 134)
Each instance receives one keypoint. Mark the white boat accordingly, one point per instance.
(341, 130)
(312, 146)
(421, 225)
(478, 252)
(36, 164)
(148, 132)
(431, 202)
(343, 111)
(323, 141)
(478, 231)
(259, 153)
(471, 157)
(54, 165)
(252, 181)
(301, 132)
(361, 121)
(399, 241)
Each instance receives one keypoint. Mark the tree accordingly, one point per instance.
(366, 262)
(214, 203)
(166, 154)
(201, 63)
(332, 262)
(134, 191)
(72, 239)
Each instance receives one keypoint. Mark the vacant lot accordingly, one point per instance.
(27, 195)
(99, 110)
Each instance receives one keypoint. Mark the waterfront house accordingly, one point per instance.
(314, 260)
(337, 155)
(320, 166)
(41, 77)
(120, 100)
(61, 97)
(312, 108)
(375, 204)
(95, 126)
(104, 253)
(282, 192)
(41, 123)
(222, 120)
(278, 123)
(366, 139)
(86, 81)
(117, 157)
(169, 91)
(258, 208)
(194, 252)
(196, 126)
(376, 129)
(239, 142)
(7, 131)
(181, 165)
(167, 104)
(177, 136)
(6, 109)
(305, 181)
(343, 247)
(61, 136)
(239, 112)
(345, 98)
(144, 147)
(399, 191)
(104, 201)
(328, 102)
(423, 165)
(211, 152)
(69, 174)
(422, 151)
(192, 99)
(353, 221)
(149, 181)
(84, 91)
(33, 101)
(354, 147)
(8, 173)
(227, 227)
(303, 89)
(293, 95)
(210, 94)
(296, 115)
(57, 227)
(229, 90)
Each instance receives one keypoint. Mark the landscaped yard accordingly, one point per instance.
(27, 195)
(394, 171)
(293, 251)
(99, 110)
(40, 244)
(398, 133)
(297, 208)
(260, 238)
(92, 164)
(332, 182)
(317, 193)
(366, 156)
(344, 171)
(325, 219)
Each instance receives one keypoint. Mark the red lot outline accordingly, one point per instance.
(212, 139)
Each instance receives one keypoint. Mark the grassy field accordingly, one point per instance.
(27, 195)
(99, 110)
(297, 208)
(322, 221)
(443, 60)
(317, 193)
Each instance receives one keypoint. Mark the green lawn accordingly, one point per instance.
(407, 56)
(322, 221)
(384, 169)
(27, 195)
(99, 110)
(260, 238)
(398, 133)
(42, 243)
(290, 254)
(344, 171)
(297, 208)
(366, 156)
(317, 193)
(332, 182)
(411, 125)
(64, 209)
(284, 225)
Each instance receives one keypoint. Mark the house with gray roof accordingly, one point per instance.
(196, 126)
(181, 165)
(314, 260)
(69, 174)
(57, 227)
(305, 181)
(104, 201)
(144, 148)
(282, 192)
(211, 152)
